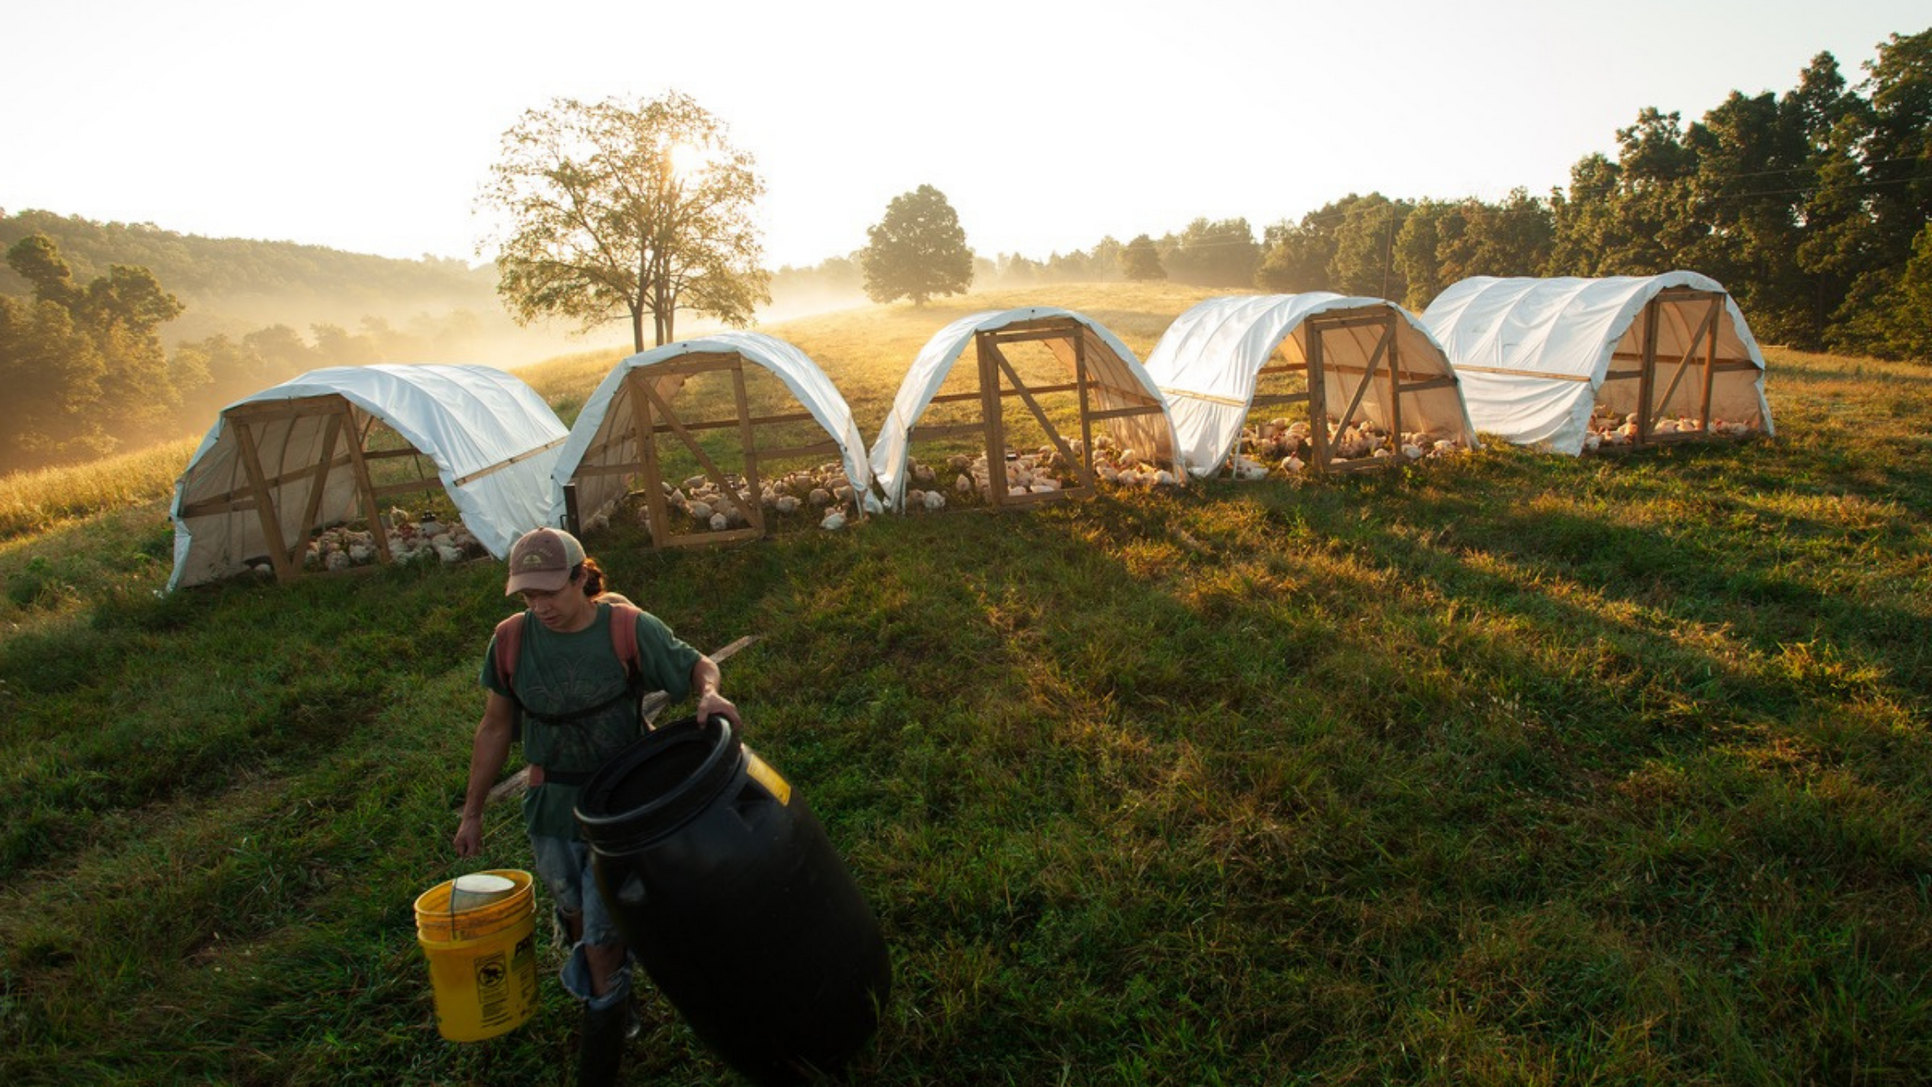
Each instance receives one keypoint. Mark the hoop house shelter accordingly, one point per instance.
(1108, 386)
(317, 450)
(615, 442)
(1353, 361)
(1565, 363)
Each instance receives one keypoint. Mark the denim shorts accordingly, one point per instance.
(564, 866)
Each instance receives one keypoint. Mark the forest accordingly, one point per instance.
(1813, 207)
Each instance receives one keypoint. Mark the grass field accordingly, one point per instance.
(1505, 769)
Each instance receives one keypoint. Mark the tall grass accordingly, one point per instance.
(1505, 769)
(38, 500)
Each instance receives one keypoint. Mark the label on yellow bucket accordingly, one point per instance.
(777, 786)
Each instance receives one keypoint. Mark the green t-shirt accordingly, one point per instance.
(563, 673)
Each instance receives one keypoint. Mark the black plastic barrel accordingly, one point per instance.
(730, 895)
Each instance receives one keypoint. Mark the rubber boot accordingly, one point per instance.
(600, 1048)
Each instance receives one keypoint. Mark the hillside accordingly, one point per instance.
(1504, 769)
(234, 286)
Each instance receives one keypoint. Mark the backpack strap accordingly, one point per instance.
(509, 642)
(623, 634)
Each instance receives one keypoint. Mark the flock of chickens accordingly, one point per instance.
(1277, 448)
(1613, 429)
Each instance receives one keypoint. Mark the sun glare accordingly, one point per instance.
(688, 160)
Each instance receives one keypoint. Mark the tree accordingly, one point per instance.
(1214, 253)
(1830, 123)
(1639, 215)
(620, 208)
(1752, 169)
(1431, 228)
(1886, 311)
(1898, 156)
(83, 354)
(212, 372)
(1139, 262)
(1364, 259)
(282, 351)
(52, 372)
(1296, 256)
(917, 251)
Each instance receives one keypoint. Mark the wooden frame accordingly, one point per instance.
(653, 414)
(1650, 404)
(1385, 361)
(998, 381)
(253, 423)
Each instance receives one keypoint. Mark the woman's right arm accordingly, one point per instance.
(488, 753)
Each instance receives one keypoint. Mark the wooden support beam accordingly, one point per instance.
(1507, 372)
(1710, 369)
(1270, 399)
(1123, 413)
(1326, 323)
(1395, 387)
(1084, 462)
(508, 461)
(643, 426)
(728, 424)
(1647, 380)
(1317, 404)
(257, 411)
(1046, 328)
(369, 508)
(989, 389)
(752, 509)
(312, 510)
(278, 553)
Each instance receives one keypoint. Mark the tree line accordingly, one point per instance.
(1813, 208)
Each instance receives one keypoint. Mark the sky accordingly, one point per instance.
(1048, 124)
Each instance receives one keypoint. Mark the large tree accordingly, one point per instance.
(917, 251)
(621, 208)
(1140, 262)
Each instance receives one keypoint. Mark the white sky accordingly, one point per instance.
(1048, 124)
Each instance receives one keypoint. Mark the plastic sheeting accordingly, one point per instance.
(492, 438)
(1113, 368)
(1208, 361)
(1533, 354)
(605, 432)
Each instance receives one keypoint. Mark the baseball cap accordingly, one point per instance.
(542, 559)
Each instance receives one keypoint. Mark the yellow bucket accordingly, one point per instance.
(482, 960)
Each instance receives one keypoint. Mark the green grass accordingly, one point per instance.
(1505, 769)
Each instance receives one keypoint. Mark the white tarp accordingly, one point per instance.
(491, 437)
(1533, 353)
(604, 434)
(1111, 364)
(1208, 361)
